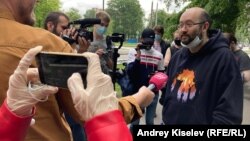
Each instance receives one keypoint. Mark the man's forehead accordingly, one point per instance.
(190, 15)
(63, 19)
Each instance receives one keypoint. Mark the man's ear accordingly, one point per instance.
(50, 26)
(206, 26)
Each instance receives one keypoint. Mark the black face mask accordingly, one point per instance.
(177, 42)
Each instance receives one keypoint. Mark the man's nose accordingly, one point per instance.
(183, 28)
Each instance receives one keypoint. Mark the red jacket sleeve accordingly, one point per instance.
(109, 126)
(13, 127)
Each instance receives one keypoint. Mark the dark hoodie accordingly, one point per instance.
(204, 87)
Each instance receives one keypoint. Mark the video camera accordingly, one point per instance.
(115, 37)
(82, 30)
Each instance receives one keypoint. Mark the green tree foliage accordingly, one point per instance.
(90, 13)
(168, 21)
(224, 13)
(243, 22)
(177, 3)
(161, 16)
(170, 25)
(127, 17)
(227, 15)
(43, 7)
(73, 14)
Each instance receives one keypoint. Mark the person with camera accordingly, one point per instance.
(58, 24)
(143, 62)
(97, 104)
(18, 36)
(99, 45)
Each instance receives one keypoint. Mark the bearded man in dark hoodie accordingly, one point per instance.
(204, 85)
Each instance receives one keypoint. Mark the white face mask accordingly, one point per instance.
(196, 41)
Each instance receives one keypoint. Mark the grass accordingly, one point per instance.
(126, 44)
(120, 66)
(117, 86)
(118, 90)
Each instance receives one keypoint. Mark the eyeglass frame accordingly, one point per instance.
(189, 24)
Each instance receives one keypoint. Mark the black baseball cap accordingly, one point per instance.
(148, 35)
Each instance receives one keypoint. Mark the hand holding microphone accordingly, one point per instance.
(145, 95)
(158, 81)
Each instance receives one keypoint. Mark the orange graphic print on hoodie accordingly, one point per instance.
(187, 88)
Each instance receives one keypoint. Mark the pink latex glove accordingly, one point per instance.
(25, 90)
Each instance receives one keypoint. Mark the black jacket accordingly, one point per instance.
(205, 87)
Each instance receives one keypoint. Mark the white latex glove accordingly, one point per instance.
(99, 96)
(21, 98)
(144, 96)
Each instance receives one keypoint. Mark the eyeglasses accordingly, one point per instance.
(189, 24)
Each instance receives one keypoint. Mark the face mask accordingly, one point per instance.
(192, 44)
(157, 37)
(101, 30)
(177, 42)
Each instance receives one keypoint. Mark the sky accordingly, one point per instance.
(83, 5)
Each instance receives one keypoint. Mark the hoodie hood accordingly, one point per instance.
(216, 41)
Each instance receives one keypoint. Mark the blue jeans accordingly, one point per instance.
(149, 114)
(77, 130)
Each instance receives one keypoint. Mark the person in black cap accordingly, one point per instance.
(143, 62)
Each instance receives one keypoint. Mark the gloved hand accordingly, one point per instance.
(22, 94)
(144, 96)
(99, 96)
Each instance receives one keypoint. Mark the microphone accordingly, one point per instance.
(87, 21)
(158, 81)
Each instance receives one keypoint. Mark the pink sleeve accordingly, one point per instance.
(13, 127)
(109, 126)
